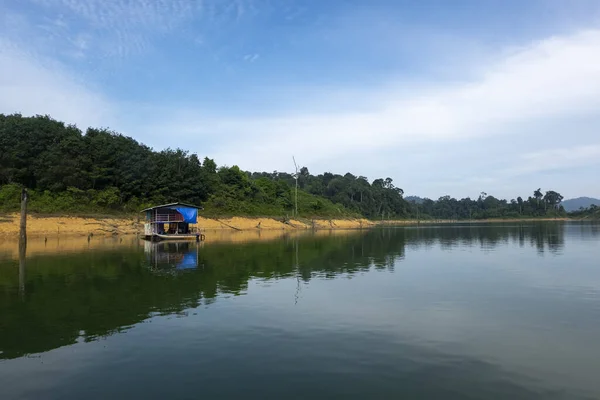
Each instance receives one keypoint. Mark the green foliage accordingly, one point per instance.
(68, 201)
(591, 212)
(67, 171)
(10, 197)
(486, 207)
(380, 199)
(103, 171)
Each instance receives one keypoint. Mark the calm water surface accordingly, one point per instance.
(494, 311)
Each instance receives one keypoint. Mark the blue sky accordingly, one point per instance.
(445, 97)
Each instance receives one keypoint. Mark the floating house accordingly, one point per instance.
(172, 222)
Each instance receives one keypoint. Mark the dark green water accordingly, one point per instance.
(496, 311)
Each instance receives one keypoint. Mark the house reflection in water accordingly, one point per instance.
(172, 256)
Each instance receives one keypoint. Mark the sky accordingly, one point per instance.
(444, 97)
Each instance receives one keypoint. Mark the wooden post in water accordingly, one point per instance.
(23, 227)
(22, 242)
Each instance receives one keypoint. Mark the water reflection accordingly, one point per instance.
(94, 293)
(541, 236)
(171, 256)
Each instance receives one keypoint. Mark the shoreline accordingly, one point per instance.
(51, 226)
(471, 221)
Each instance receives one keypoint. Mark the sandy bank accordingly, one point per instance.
(59, 226)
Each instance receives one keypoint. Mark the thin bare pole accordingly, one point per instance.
(296, 176)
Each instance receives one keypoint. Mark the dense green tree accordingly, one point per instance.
(488, 206)
(553, 199)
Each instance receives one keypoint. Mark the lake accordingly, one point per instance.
(507, 311)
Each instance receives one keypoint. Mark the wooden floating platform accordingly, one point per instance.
(171, 222)
(156, 237)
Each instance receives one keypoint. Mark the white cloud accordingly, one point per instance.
(557, 77)
(37, 86)
(513, 104)
(557, 158)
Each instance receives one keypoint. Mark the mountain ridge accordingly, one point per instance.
(576, 203)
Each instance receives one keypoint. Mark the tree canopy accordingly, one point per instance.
(100, 170)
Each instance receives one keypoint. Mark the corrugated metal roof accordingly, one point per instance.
(171, 205)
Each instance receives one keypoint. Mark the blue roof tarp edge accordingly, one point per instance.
(190, 215)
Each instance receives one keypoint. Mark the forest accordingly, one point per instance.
(69, 171)
(591, 212)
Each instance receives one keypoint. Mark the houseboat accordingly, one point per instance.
(172, 222)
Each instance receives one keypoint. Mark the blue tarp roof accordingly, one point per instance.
(189, 211)
(190, 215)
(172, 205)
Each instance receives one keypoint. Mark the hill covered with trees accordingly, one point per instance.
(580, 203)
(101, 171)
(104, 171)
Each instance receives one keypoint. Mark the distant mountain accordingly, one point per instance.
(414, 199)
(576, 204)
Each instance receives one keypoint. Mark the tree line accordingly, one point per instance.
(591, 212)
(67, 170)
(486, 206)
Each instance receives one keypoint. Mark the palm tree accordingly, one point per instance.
(538, 195)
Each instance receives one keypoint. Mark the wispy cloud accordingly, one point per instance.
(114, 15)
(114, 28)
(120, 28)
(31, 86)
(557, 159)
(251, 57)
